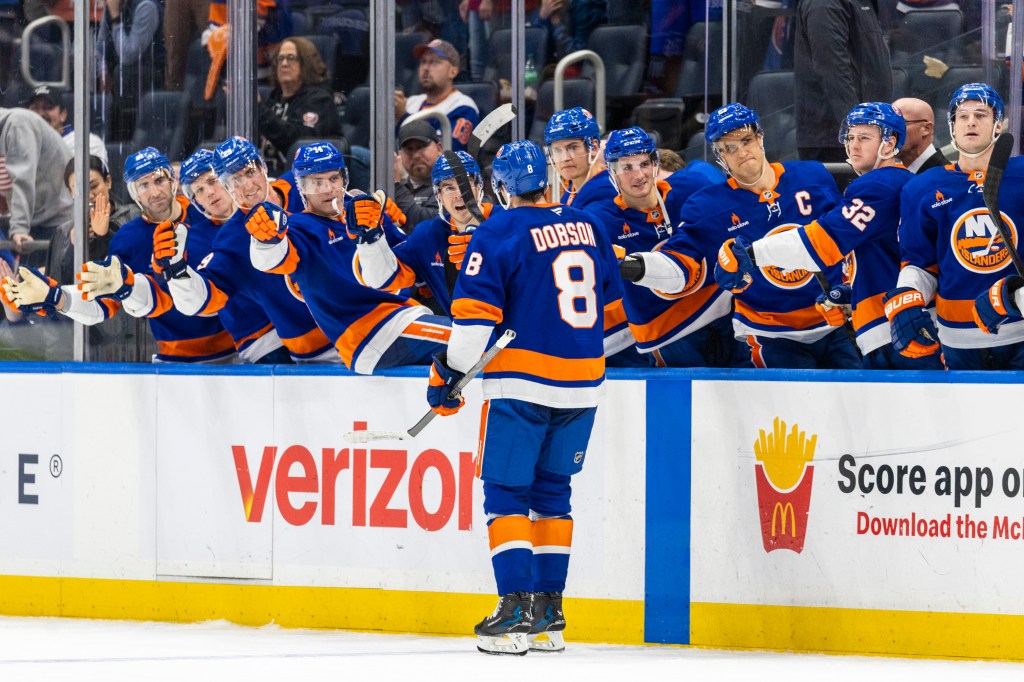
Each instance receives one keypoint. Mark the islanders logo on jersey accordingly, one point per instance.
(977, 244)
(785, 279)
(784, 477)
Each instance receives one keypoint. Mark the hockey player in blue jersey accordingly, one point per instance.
(316, 249)
(227, 273)
(544, 271)
(952, 252)
(572, 142)
(861, 230)
(774, 309)
(685, 329)
(128, 276)
(433, 253)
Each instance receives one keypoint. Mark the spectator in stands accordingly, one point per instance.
(130, 57)
(273, 24)
(48, 102)
(840, 60)
(300, 105)
(32, 160)
(419, 146)
(918, 153)
(106, 216)
(183, 20)
(439, 65)
(476, 14)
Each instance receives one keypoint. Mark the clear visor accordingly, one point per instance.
(732, 146)
(863, 133)
(574, 149)
(161, 177)
(321, 183)
(249, 177)
(201, 188)
(647, 166)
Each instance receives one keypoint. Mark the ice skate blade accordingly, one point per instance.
(509, 645)
(547, 642)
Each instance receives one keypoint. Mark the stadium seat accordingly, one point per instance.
(695, 149)
(407, 66)
(770, 94)
(355, 124)
(691, 74)
(161, 122)
(935, 33)
(663, 116)
(352, 29)
(300, 24)
(499, 50)
(326, 45)
(900, 83)
(623, 49)
(579, 92)
(484, 94)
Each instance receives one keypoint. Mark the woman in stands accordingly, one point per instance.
(300, 105)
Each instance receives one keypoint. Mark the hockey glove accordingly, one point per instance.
(998, 305)
(35, 293)
(734, 267)
(364, 226)
(108, 278)
(833, 305)
(913, 333)
(267, 223)
(394, 212)
(439, 388)
(632, 268)
(457, 243)
(169, 250)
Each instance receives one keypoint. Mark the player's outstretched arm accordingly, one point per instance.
(654, 271)
(999, 304)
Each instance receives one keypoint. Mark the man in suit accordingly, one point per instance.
(919, 153)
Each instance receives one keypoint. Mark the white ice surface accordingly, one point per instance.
(79, 650)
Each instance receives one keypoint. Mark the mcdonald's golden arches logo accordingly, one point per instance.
(784, 474)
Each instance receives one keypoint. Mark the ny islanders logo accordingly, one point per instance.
(784, 475)
(976, 242)
(785, 279)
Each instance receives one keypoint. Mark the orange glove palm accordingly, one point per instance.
(457, 244)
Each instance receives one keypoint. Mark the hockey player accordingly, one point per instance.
(371, 329)
(227, 272)
(861, 229)
(129, 275)
(774, 309)
(952, 252)
(690, 328)
(422, 257)
(543, 271)
(572, 143)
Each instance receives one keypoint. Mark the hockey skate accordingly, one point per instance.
(548, 623)
(505, 630)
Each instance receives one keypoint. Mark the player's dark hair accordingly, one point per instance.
(533, 196)
(95, 164)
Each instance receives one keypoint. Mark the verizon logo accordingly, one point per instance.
(374, 482)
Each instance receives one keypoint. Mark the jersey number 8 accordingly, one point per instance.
(574, 278)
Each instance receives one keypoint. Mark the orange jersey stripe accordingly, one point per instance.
(220, 342)
(680, 311)
(826, 247)
(952, 310)
(110, 307)
(284, 188)
(255, 335)
(218, 299)
(483, 434)
(471, 309)
(290, 262)
(510, 529)
(694, 273)
(547, 366)
(361, 328)
(162, 301)
(614, 314)
(549, 532)
(868, 310)
(310, 342)
(804, 318)
(755, 352)
(430, 332)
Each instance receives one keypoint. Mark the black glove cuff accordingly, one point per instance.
(632, 269)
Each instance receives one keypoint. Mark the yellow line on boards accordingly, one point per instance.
(857, 631)
(589, 620)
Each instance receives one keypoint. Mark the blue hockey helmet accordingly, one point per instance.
(627, 142)
(195, 167)
(978, 92)
(729, 118)
(571, 124)
(881, 114)
(318, 157)
(234, 154)
(518, 168)
(443, 170)
(144, 162)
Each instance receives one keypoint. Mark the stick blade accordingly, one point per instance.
(1001, 151)
(491, 123)
(357, 437)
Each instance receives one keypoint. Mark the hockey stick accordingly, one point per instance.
(491, 123)
(993, 179)
(368, 436)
